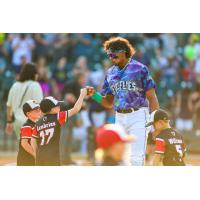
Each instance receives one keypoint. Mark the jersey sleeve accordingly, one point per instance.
(35, 133)
(148, 82)
(26, 132)
(160, 146)
(62, 117)
(106, 88)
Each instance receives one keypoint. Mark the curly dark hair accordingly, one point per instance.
(119, 43)
(28, 72)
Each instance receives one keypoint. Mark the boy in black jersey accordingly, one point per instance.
(46, 137)
(26, 155)
(169, 145)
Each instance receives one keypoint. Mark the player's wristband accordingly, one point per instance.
(97, 97)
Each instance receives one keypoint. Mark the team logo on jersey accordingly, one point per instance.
(125, 85)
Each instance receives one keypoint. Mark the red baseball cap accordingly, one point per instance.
(110, 134)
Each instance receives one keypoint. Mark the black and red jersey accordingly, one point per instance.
(23, 157)
(47, 132)
(170, 143)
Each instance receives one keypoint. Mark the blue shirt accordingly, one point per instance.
(128, 85)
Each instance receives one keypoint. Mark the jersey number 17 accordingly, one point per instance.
(46, 135)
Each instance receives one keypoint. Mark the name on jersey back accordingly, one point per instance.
(44, 126)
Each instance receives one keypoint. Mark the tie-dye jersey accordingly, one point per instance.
(128, 85)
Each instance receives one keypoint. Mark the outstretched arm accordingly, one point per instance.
(78, 103)
(106, 101)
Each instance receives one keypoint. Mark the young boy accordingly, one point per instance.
(48, 128)
(112, 139)
(169, 146)
(26, 155)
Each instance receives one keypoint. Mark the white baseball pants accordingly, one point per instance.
(134, 123)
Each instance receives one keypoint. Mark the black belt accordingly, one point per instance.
(130, 110)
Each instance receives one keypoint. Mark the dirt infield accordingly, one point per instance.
(193, 159)
(7, 160)
(10, 159)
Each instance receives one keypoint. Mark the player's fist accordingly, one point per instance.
(84, 92)
(90, 91)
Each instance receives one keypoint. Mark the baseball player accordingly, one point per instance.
(112, 138)
(47, 132)
(169, 146)
(130, 88)
(26, 155)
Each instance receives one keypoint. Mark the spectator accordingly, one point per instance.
(160, 62)
(197, 68)
(41, 45)
(44, 76)
(81, 66)
(80, 132)
(192, 49)
(72, 90)
(97, 113)
(170, 72)
(151, 41)
(59, 76)
(2, 73)
(60, 46)
(142, 56)
(82, 44)
(187, 72)
(184, 108)
(3, 50)
(71, 93)
(26, 88)
(98, 117)
(169, 44)
(96, 76)
(22, 46)
(195, 97)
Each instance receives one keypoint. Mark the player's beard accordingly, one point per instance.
(117, 63)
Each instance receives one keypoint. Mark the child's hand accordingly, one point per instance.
(84, 92)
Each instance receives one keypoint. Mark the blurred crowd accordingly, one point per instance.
(67, 62)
